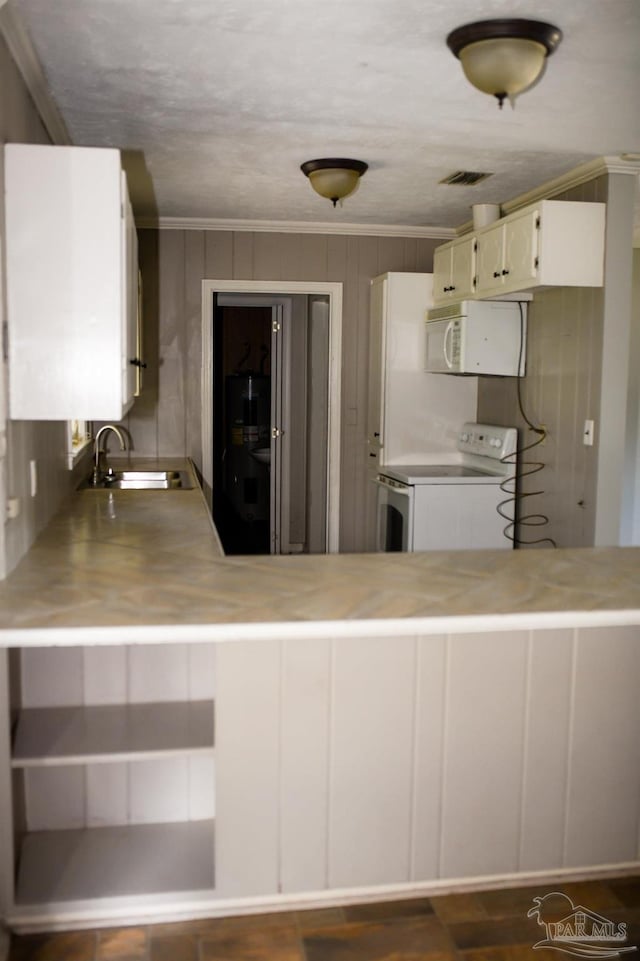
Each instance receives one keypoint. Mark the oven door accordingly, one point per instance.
(394, 515)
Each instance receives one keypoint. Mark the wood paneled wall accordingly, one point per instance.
(392, 760)
(564, 387)
(166, 419)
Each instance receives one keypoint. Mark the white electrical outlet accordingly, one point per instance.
(588, 432)
(33, 477)
(13, 508)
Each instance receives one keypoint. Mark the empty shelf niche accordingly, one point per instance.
(101, 734)
(126, 860)
(114, 771)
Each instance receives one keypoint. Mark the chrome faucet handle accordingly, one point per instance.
(100, 456)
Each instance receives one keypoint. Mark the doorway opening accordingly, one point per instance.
(271, 415)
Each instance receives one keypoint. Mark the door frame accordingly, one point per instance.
(280, 287)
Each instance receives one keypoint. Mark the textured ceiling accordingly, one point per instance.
(220, 101)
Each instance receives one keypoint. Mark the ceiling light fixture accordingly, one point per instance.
(504, 57)
(334, 178)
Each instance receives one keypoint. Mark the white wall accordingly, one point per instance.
(633, 410)
(616, 454)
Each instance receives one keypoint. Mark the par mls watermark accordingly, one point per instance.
(576, 930)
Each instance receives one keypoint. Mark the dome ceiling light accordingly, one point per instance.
(334, 178)
(504, 57)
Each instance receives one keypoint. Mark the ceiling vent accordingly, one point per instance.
(465, 178)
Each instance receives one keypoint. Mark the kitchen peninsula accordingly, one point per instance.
(384, 724)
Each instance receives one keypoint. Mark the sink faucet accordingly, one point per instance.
(99, 456)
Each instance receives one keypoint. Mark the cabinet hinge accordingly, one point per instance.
(275, 326)
(475, 246)
(537, 223)
(5, 341)
(536, 262)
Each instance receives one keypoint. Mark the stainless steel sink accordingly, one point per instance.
(143, 480)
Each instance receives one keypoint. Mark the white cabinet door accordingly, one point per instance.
(375, 408)
(521, 250)
(69, 229)
(442, 273)
(130, 319)
(463, 269)
(454, 267)
(490, 259)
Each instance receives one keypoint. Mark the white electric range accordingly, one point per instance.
(452, 506)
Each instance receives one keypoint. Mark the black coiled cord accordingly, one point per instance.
(511, 485)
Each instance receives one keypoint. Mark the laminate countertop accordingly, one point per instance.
(147, 566)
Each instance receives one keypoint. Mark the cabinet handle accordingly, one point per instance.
(504, 273)
(376, 433)
(496, 273)
(136, 362)
(372, 455)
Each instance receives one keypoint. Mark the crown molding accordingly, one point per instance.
(296, 227)
(573, 178)
(23, 52)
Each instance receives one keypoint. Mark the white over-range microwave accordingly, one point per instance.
(477, 337)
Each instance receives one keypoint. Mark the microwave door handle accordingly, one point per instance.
(448, 335)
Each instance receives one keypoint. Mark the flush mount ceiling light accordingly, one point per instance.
(503, 57)
(334, 178)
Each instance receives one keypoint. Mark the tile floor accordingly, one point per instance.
(483, 926)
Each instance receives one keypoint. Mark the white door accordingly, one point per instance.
(278, 491)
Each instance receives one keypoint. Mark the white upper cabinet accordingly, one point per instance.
(508, 254)
(454, 270)
(550, 244)
(72, 284)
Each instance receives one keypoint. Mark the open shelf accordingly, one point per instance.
(134, 859)
(99, 734)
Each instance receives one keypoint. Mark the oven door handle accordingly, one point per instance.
(405, 490)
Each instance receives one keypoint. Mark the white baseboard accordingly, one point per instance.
(194, 906)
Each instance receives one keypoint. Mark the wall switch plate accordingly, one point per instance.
(588, 432)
